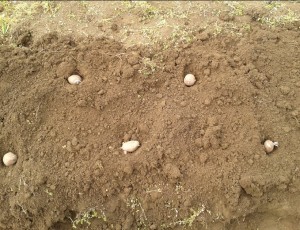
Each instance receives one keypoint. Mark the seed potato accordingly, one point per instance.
(74, 79)
(130, 146)
(189, 80)
(10, 159)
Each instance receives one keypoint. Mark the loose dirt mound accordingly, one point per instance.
(201, 162)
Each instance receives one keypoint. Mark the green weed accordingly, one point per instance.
(181, 35)
(217, 29)
(49, 193)
(50, 7)
(5, 25)
(86, 217)
(149, 67)
(282, 19)
(235, 8)
(144, 9)
(137, 210)
(188, 221)
(15, 12)
(273, 5)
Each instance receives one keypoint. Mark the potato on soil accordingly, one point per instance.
(130, 146)
(9, 159)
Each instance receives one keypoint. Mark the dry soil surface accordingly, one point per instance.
(201, 163)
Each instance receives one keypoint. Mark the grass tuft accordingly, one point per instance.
(15, 12)
(278, 20)
(145, 10)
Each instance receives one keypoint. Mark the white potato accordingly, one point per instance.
(74, 79)
(270, 145)
(130, 146)
(9, 159)
(189, 80)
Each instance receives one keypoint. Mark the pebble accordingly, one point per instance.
(52, 133)
(207, 101)
(183, 103)
(143, 128)
(206, 72)
(212, 121)
(118, 227)
(163, 103)
(172, 171)
(203, 158)
(97, 172)
(225, 146)
(69, 146)
(52, 187)
(285, 90)
(116, 153)
(250, 162)
(134, 137)
(101, 92)
(159, 95)
(256, 156)
(187, 203)
(204, 36)
(153, 227)
(74, 141)
(295, 113)
(27, 195)
(286, 129)
(82, 103)
(199, 142)
(214, 64)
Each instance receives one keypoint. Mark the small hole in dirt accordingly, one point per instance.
(265, 139)
(71, 214)
(63, 224)
(76, 72)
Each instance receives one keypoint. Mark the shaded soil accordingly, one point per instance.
(201, 164)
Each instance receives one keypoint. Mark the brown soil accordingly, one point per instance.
(201, 163)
